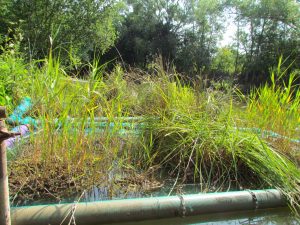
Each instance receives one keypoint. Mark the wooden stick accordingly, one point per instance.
(4, 191)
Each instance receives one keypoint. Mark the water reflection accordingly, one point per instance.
(109, 193)
(281, 216)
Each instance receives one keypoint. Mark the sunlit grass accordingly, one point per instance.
(191, 135)
(274, 109)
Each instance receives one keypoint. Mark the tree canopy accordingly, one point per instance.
(64, 25)
(184, 33)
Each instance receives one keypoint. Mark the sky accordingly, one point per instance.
(228, 36)
(230, 30)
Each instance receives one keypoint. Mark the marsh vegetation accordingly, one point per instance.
(170, 105)
(134, 130)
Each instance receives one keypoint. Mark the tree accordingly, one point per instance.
(201, 34)
(224, 61)
(269, 29)
(182, 32)
(150, 29)
(66, 25)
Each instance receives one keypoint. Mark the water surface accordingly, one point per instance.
(279, 216)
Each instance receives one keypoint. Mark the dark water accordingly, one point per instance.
(280, 216)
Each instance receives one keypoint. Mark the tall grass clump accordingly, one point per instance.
(70, 144)
(196, 139)
(274, 108)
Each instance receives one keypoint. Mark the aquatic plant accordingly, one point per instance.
(196, 139)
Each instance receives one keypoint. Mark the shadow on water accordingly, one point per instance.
(280, 216)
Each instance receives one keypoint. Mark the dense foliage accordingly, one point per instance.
(185, 34)
(67, 27)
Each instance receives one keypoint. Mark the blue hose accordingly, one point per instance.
(20, 110)
(267, 133)
(102, 122)
(17, 116)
